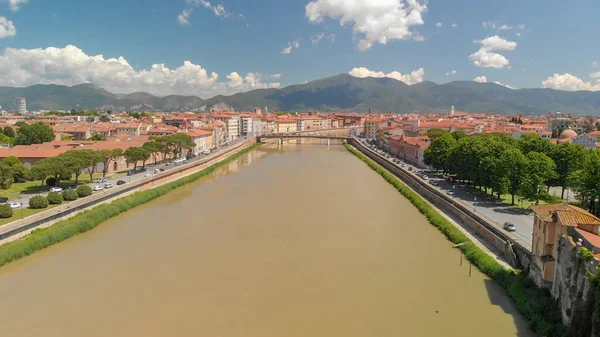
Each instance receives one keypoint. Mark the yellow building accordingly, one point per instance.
(550, 222)
(286, 125)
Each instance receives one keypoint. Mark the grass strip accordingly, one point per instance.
(85, 221)
(535, 304)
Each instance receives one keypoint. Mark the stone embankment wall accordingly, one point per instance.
(577, 298)
(514, 253)
(20, 228)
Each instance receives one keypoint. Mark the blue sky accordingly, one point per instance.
(238, 45)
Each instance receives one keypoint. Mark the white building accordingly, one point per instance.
(234, 127)
(256, 126)
(22, 104)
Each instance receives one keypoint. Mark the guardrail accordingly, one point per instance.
(18, 227)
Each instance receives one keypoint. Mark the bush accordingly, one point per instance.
(70, 195)
(38, 202)
(55, 198)
(534, 303)
(51, 181)
(84, 191)
(5, 211)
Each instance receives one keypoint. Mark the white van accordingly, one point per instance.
(180, 161)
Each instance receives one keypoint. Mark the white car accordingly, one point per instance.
(56, 189)
(101, 180)
(108, 185)
(14, 205)
(147, 174)
(98, 188)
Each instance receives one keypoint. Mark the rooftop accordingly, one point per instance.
(568, 215)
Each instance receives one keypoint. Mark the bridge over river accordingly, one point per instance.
(260, 139)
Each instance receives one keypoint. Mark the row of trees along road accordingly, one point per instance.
(527, 166)
(76, 162)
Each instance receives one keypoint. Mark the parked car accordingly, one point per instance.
(101, 180)
(56, 189)
(509, 226)
(434, 183)
(3, 200)
(148, 174)
(120, 182)
(108, 185)
(425, 177)
(450, 192)
(14, 205)
(206, 152)
(97, 188)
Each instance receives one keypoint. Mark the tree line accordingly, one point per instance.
(527, 166)
(77, 162)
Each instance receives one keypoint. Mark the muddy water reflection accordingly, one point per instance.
(292, 240)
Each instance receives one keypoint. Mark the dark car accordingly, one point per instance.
(120, 182)
(3, 200)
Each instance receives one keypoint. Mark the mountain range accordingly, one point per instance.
(337, 93)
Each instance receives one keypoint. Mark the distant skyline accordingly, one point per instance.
(205, 48)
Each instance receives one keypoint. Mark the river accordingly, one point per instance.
(296, 240)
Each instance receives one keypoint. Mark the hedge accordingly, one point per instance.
(54, 198)
(85, 221)
(5, 211)
(84, 191)
(38, 202)
(70, 195)
(535, 304)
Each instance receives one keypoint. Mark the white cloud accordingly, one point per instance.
(521, 26)
(569, 82)
(453, 72)
(494, 25)
(480, 79)
(414, 77)
(317, 38)
(519, 34)
(595, 64)
(219, 10)
(275, 76)
(454, 25)
(291, 45)
(71, 66)
(504, 85)
(485, 57)
(439, 25)
(376, 21)
(595, 75)
(7, 28)
(15, 4)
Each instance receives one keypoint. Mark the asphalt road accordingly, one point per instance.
(495, 211)
(128, 179)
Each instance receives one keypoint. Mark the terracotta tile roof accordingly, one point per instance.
(199, 133)
(592, 238)
(568, 215)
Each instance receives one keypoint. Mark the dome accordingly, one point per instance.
(567, 134)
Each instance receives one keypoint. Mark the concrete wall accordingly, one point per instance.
(514, 253)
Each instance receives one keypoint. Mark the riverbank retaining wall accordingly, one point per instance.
(516, 254)
(17, 229)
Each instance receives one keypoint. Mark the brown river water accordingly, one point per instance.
(299, 240)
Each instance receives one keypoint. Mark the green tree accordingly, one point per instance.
(8, 131)
(110, 156)
(539, 169)
(34, 134)
(568, 159)
(154, 148)
(534, 143)
(586, 181)
(20, 171)
(458, 134)
(6, 176)
(435, 133)
(133, 155)
(98, 137)
(75, 161)
(60, 167)
(514, 164)
(65, 137)
(439, 152)
(90, 160)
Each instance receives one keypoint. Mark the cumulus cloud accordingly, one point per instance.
(276, 76)
(453, 72)
(291, 45)
(439, 25)
(414, 77)
(7, 28)
(485, 57)
(375, 21)
(454, 25)
(15, 4)
(480, 79)
(219, 10)
(595, 64)
(570, 82)
(71, 66)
